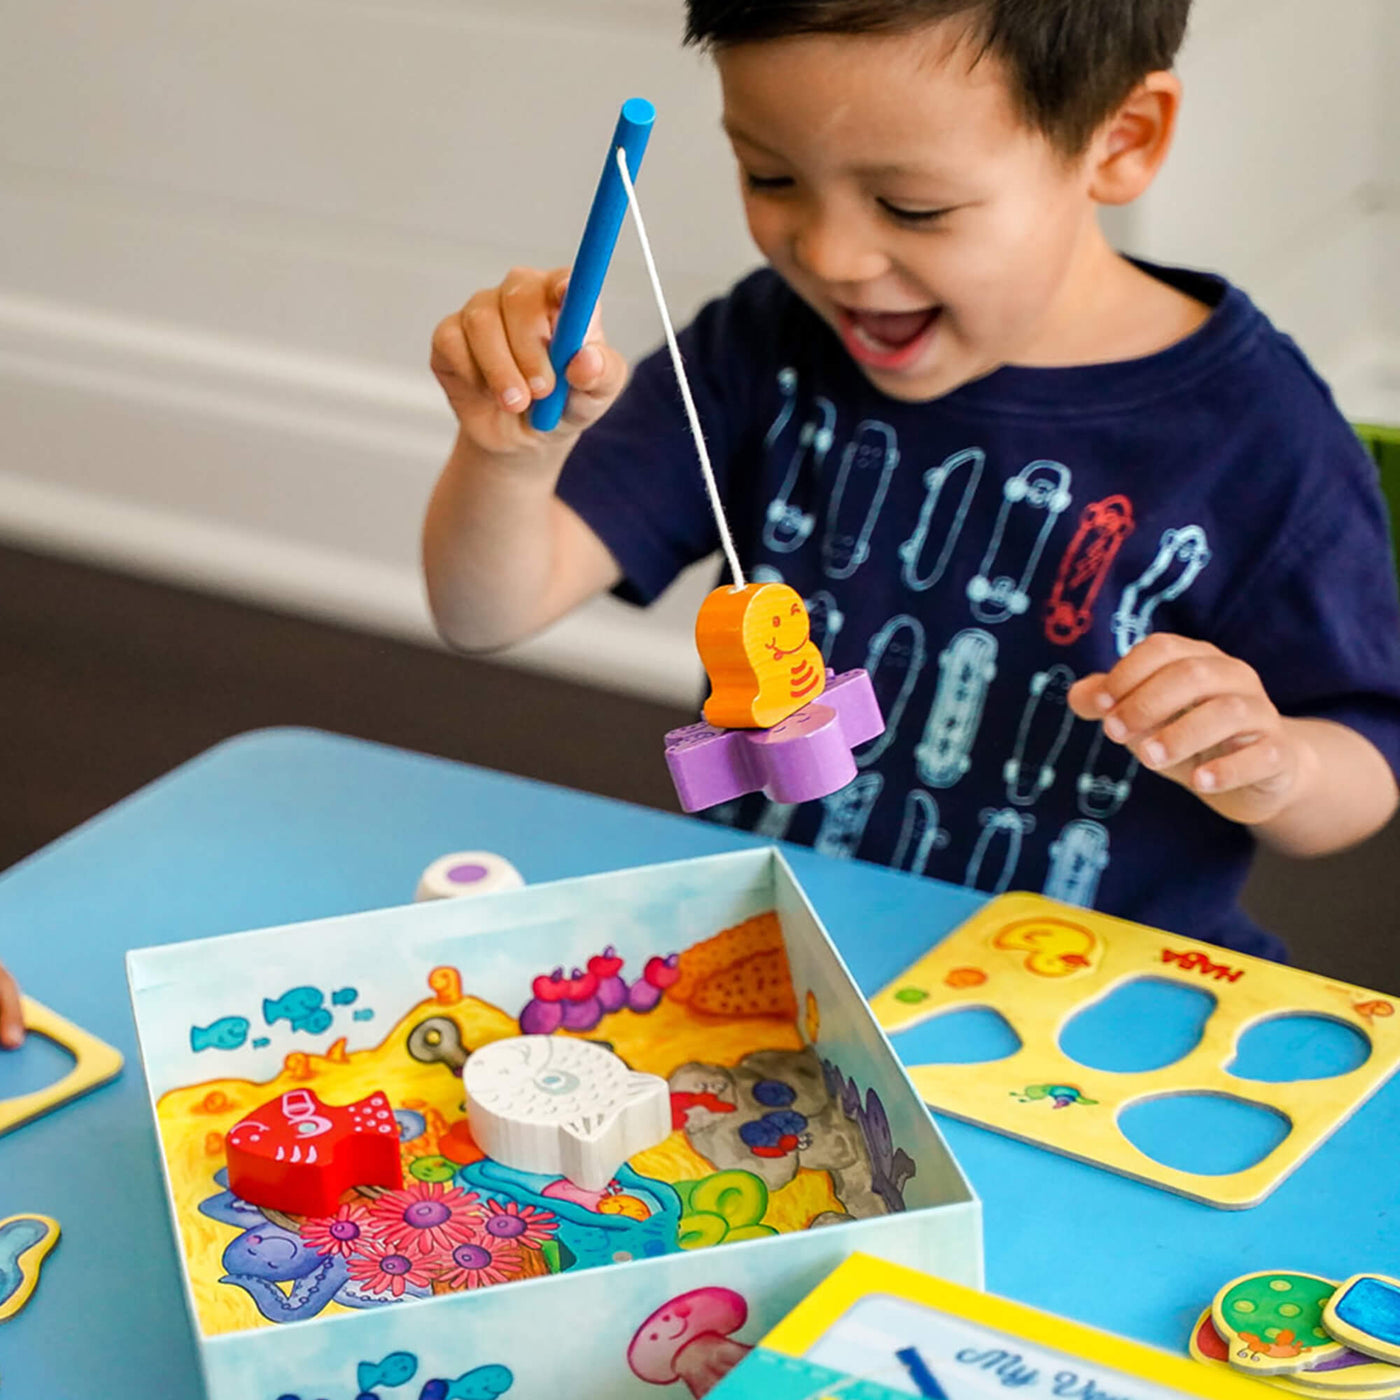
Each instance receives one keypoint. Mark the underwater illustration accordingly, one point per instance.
(766, 1138)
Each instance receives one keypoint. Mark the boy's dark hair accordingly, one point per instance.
(1071, 61)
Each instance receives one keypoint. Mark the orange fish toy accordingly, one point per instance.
(777, 721)
(756, 646)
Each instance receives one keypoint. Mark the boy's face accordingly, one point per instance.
(894, 186)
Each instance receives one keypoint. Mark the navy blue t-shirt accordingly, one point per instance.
(979, 553)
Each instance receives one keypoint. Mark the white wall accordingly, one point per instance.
(227, 228)
(1286, 176)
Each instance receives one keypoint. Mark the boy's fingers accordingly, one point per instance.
(1179, 686)
(1147, 657)
(11, 1016)
(1260, 765)
(525, 307)
(1220, 723)
(1083, 695)
(596, 375)
(489, 348)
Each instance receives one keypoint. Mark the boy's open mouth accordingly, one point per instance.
(886, 339)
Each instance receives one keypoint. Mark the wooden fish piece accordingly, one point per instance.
(756, 646)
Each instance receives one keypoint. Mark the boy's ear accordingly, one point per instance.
(1129, 148)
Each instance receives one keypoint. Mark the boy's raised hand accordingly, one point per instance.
(11, 1018)
(492, 360)
(1201, 718)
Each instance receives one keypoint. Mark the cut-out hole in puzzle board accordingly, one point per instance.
(1041, 964)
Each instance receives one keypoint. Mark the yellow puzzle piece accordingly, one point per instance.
(95, 1063)
(25, 1242)
(756, 646)
(1039, 963)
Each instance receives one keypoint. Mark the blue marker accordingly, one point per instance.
(594, 254)
(920, 1374)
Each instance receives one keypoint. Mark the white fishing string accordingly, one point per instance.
(725, 538)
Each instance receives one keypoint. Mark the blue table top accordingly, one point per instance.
(284, 825)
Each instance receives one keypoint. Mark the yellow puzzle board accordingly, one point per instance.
(95, 1062)
(1039, 963)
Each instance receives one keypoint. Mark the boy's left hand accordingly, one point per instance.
(1201, 718)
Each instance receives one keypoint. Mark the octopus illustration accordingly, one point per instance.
(267, 1253)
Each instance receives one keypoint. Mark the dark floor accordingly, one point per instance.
(109, 681)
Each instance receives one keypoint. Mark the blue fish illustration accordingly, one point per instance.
(395, 1369)
(302, 1007)
(260, 1042)
(227, 1033)
(483, 1383)
(344, 996)
(363, 1014)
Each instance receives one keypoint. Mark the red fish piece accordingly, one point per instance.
(299, 1155)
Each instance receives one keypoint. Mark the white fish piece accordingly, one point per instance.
(562, 1107)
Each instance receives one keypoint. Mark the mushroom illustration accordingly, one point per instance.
(688, 1339)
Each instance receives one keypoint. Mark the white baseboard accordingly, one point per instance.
(293, 481)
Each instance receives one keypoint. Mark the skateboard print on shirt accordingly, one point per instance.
(966, 669)
(1045, 724)
(920, 835)
(1078, 857)
(1103, 527)
(1039, 487)
(1181, 556)
(786, 526)
(894, 664)
(862, 481)
(918, 573)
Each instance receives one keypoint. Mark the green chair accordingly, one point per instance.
(1383, 443)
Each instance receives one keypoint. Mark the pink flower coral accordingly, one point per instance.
(505, 1220)
(426, 1217)
(341, 1233)
(383, 1269)
(482, 1260)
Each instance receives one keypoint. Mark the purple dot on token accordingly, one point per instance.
(467, 874)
